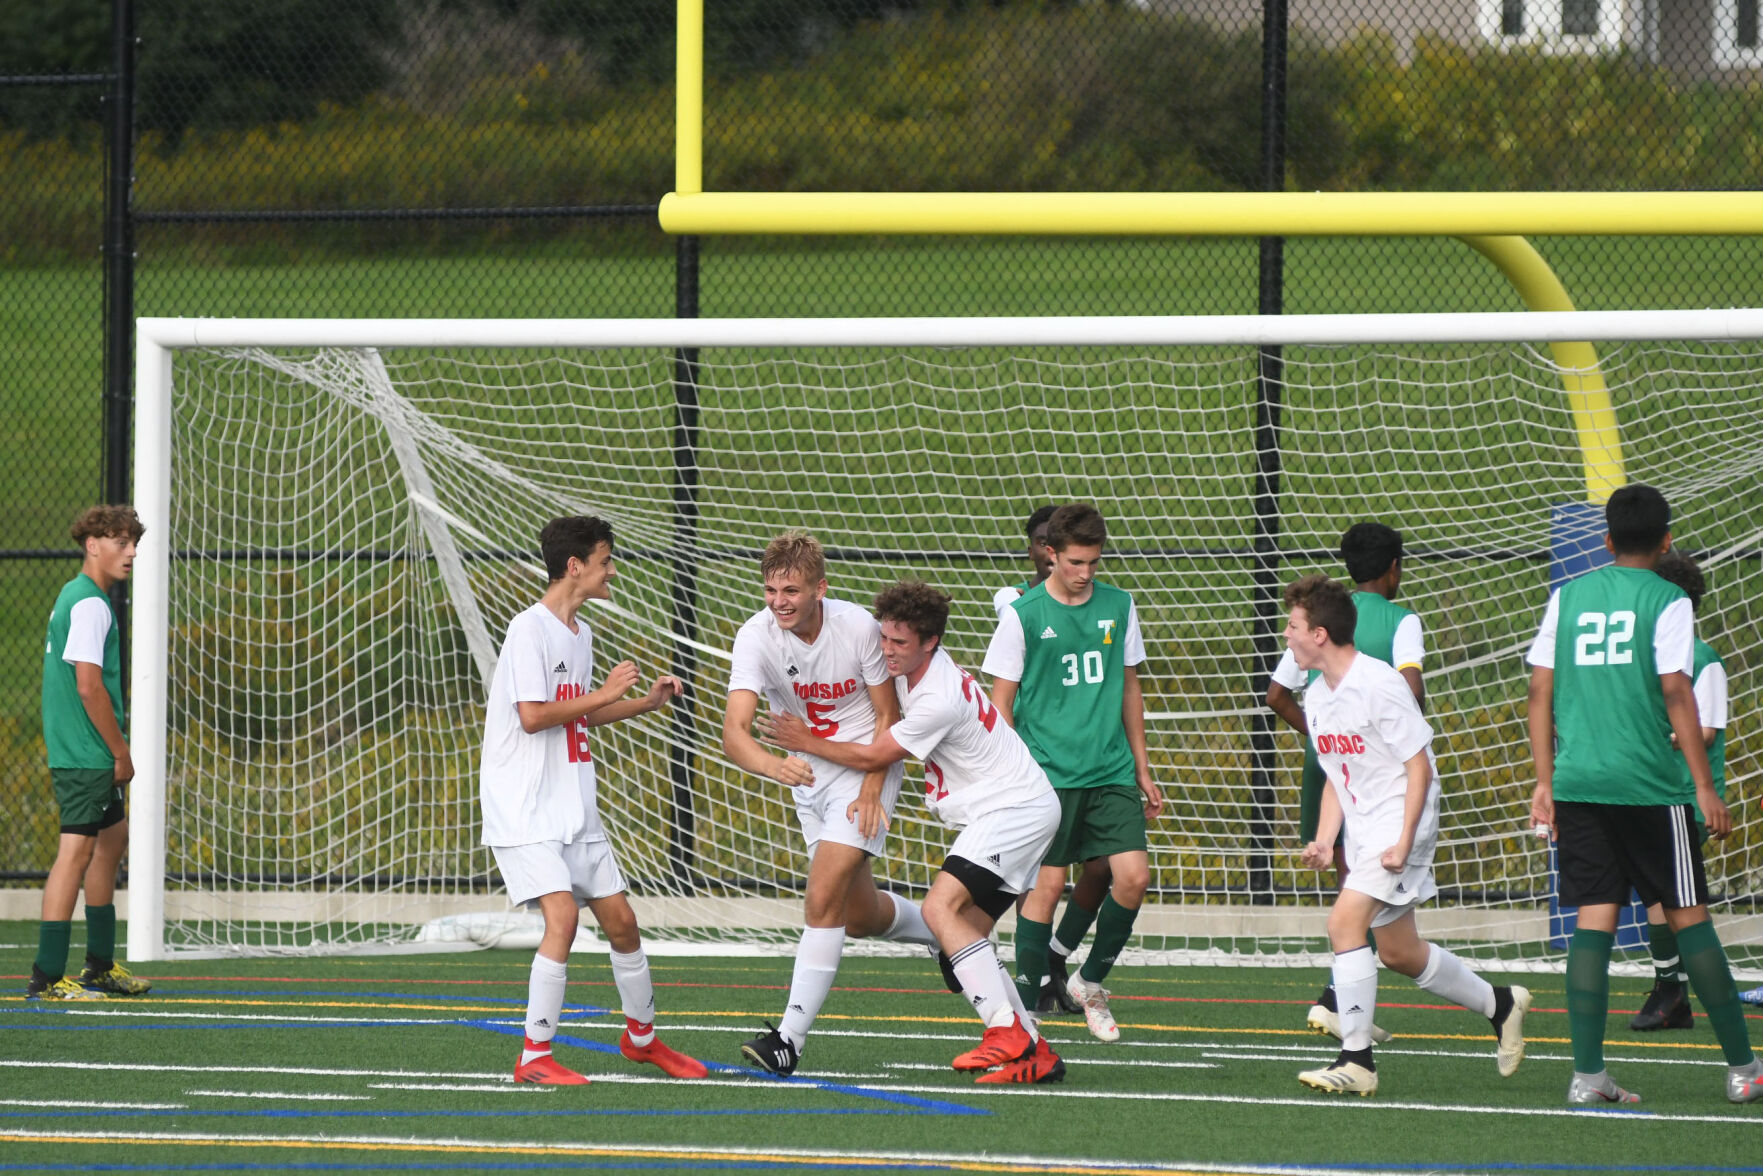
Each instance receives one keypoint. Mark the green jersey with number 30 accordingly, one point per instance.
(1613, 736)
(1067, 706)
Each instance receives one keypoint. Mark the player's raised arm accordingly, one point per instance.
(748, 754)
(542, 716)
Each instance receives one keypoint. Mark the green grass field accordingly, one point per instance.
(399, 1064)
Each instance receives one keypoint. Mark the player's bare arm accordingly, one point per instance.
(1542, 746)
(662, 691)
(1411, 674)
(88, 679)
(1419, 768)
(1319, 854)
(747, 753)
(1284, 703)
(867, 810)
(1132, 717)
(542, 716)
(1680, 708)
(792, 734)
(1004, 699)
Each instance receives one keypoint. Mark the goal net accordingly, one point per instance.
(342, 519)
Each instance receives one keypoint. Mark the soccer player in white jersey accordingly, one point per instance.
(1376, 749)
(819, 659)
(541, 819)
(979, 778)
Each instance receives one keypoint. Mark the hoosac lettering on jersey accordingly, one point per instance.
(1340, 744)
(824, 691)
(575, 732)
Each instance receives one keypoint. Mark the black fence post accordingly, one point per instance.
(1269, 378)
(119, 283)
(682, 852)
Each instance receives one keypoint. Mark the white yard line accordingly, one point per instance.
(85, 1105)
(256, 1094)
(504, 1088)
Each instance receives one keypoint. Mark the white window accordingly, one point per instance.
(1736, 41)
(1558, 26)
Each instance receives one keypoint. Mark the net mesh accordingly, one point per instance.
(352, 532)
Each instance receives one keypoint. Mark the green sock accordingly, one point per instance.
(1031, 958)
(101, 932)
(1588, 996)
(1705, 961)
(1113, 928)
(1074, 924)
(52, 941)
(1667, 967)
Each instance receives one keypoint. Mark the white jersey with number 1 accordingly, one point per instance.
(975, 764)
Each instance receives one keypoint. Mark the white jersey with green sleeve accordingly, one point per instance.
(1709, 677)
(1609, 636)
(1069, 661)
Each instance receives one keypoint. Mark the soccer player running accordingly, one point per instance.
(537, 788)
(820, 659)
(84, 732)
(979, 778)
(1064, 666)
(1609, 687)
(1092, 880)
(1390, 633)
(1668, 1005)
(1376, 750)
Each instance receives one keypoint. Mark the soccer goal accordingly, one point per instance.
(342, 517)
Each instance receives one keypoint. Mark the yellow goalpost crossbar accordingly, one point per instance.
(1495, 224)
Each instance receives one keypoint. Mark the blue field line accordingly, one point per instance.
(930, 1105)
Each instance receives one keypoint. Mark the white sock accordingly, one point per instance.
(986, 983)
(908, 925)
(817, 965)
(1449, 977)
(544, 1004)
(1057, 948)
(630, 971)
(1355, 990)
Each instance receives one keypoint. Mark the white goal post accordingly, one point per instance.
(342, 518)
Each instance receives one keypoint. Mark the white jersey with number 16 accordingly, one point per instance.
(974, 763)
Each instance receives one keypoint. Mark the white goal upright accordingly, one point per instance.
(342, 518)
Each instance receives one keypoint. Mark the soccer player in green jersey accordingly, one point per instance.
(1384, 630)
(1064, 665)
(1668, 1005)
(84, 729)
(1609, 686)
(1092, 880)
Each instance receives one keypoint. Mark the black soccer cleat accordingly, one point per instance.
(1056, 992)
(772, 1052)
(950, 980)
(1667, 1007)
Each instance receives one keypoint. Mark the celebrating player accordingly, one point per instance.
(1064, 665)
(979, 778)
(541, 819)
(1609, 688)
(820, 659)
(1376, 750)
(1668, 1005)
(1390, 633)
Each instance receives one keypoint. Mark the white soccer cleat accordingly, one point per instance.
(1094, 999)
(1744, 1084)
(1342, 1078)
(1323, 1019)
(1510, 1032)
(1597, 1090)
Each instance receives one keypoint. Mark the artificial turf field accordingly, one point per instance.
(401, 1063)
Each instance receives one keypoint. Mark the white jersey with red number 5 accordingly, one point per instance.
(826, 683)
(974, 762)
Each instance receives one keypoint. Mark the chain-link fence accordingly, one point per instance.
(504, 158)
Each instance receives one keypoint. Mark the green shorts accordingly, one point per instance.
(1310, 798)
(1095, 822)
(90, 799)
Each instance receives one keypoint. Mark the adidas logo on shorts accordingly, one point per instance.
(1048, 632)
(994, 859)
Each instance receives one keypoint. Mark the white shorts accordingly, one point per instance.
(821, 808)
(585, 869)
(1011, 842)
(1399, 893)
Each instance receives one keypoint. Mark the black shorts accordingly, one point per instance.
(1608, 849)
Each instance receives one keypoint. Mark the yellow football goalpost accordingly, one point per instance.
(1495, 224)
